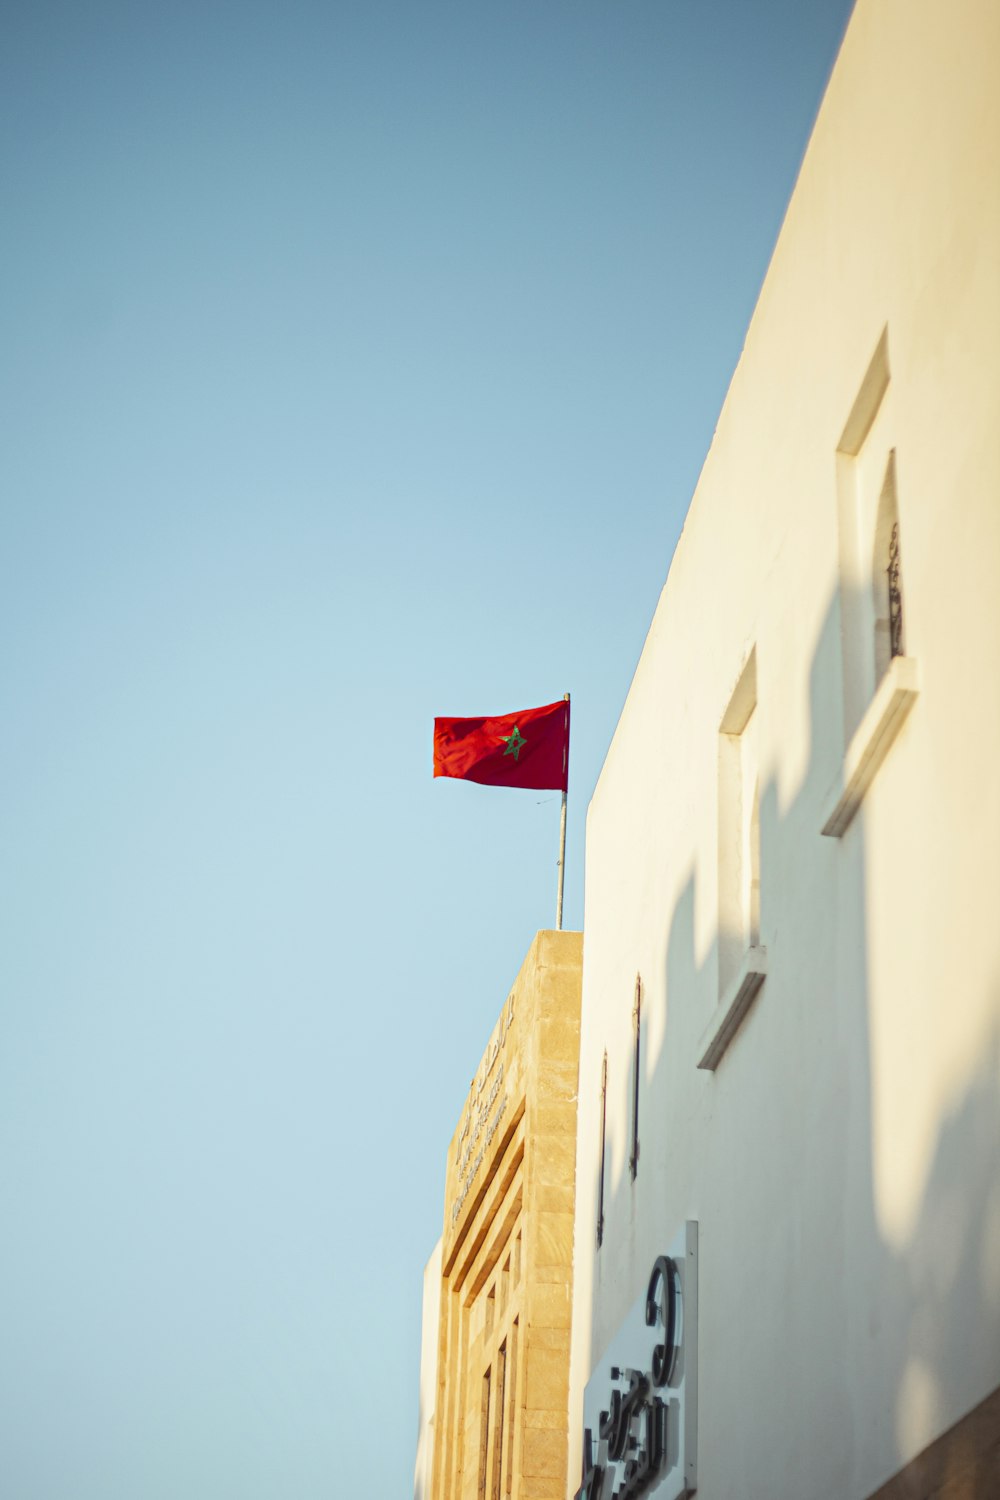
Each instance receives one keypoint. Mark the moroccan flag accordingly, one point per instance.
(529, 749)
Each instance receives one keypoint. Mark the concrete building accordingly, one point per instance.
(787, 1241)
(497, 1290)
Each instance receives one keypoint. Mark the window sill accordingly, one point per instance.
(731, 1009)
(872, 741)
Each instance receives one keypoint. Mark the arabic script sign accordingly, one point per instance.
(482, 1120)
(640, 1407)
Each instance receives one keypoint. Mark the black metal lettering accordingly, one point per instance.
(640, 1472)
(633, 1431)
(619, 1430)
(592, 1485)
(664, 1274)
(610, 1420)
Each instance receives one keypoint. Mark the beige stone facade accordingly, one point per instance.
(498, 1429)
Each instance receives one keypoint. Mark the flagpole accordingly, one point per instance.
(562, 839)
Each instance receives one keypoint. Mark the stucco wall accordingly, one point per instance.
(430, 1326)
(843, 1160)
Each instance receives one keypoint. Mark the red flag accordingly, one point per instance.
(529, 749)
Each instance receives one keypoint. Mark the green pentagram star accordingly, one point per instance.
(514, 742)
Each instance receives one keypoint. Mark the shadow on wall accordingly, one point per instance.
(829, 1354)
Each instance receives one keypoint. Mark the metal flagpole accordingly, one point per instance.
(562, 836)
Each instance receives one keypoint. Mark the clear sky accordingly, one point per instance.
(358, 362)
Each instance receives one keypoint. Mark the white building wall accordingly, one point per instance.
(843, 1161)
(423, 1470)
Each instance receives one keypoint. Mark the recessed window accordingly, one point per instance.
(739, 827)
(601, 1153)
(886, 575)
(511, 1406)
(881, 682)
(484, 1435)
(495, 1489)
(742, 958)
(871, 580)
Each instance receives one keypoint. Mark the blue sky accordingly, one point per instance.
(357, 364)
